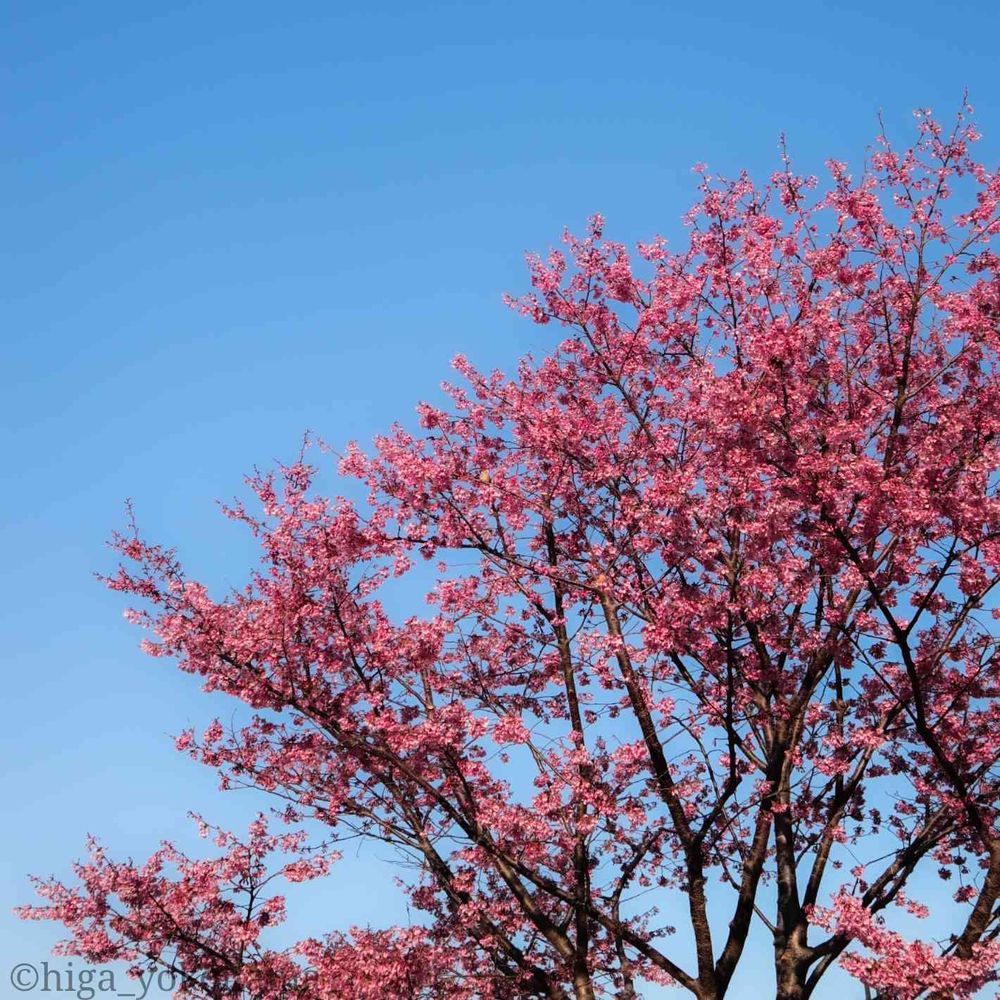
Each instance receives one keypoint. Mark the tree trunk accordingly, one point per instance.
(791, 965)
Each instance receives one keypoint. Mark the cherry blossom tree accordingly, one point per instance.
(709, 647)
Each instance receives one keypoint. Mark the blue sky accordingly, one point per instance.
(227, 223)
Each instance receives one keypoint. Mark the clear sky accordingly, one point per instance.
(225, 223)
